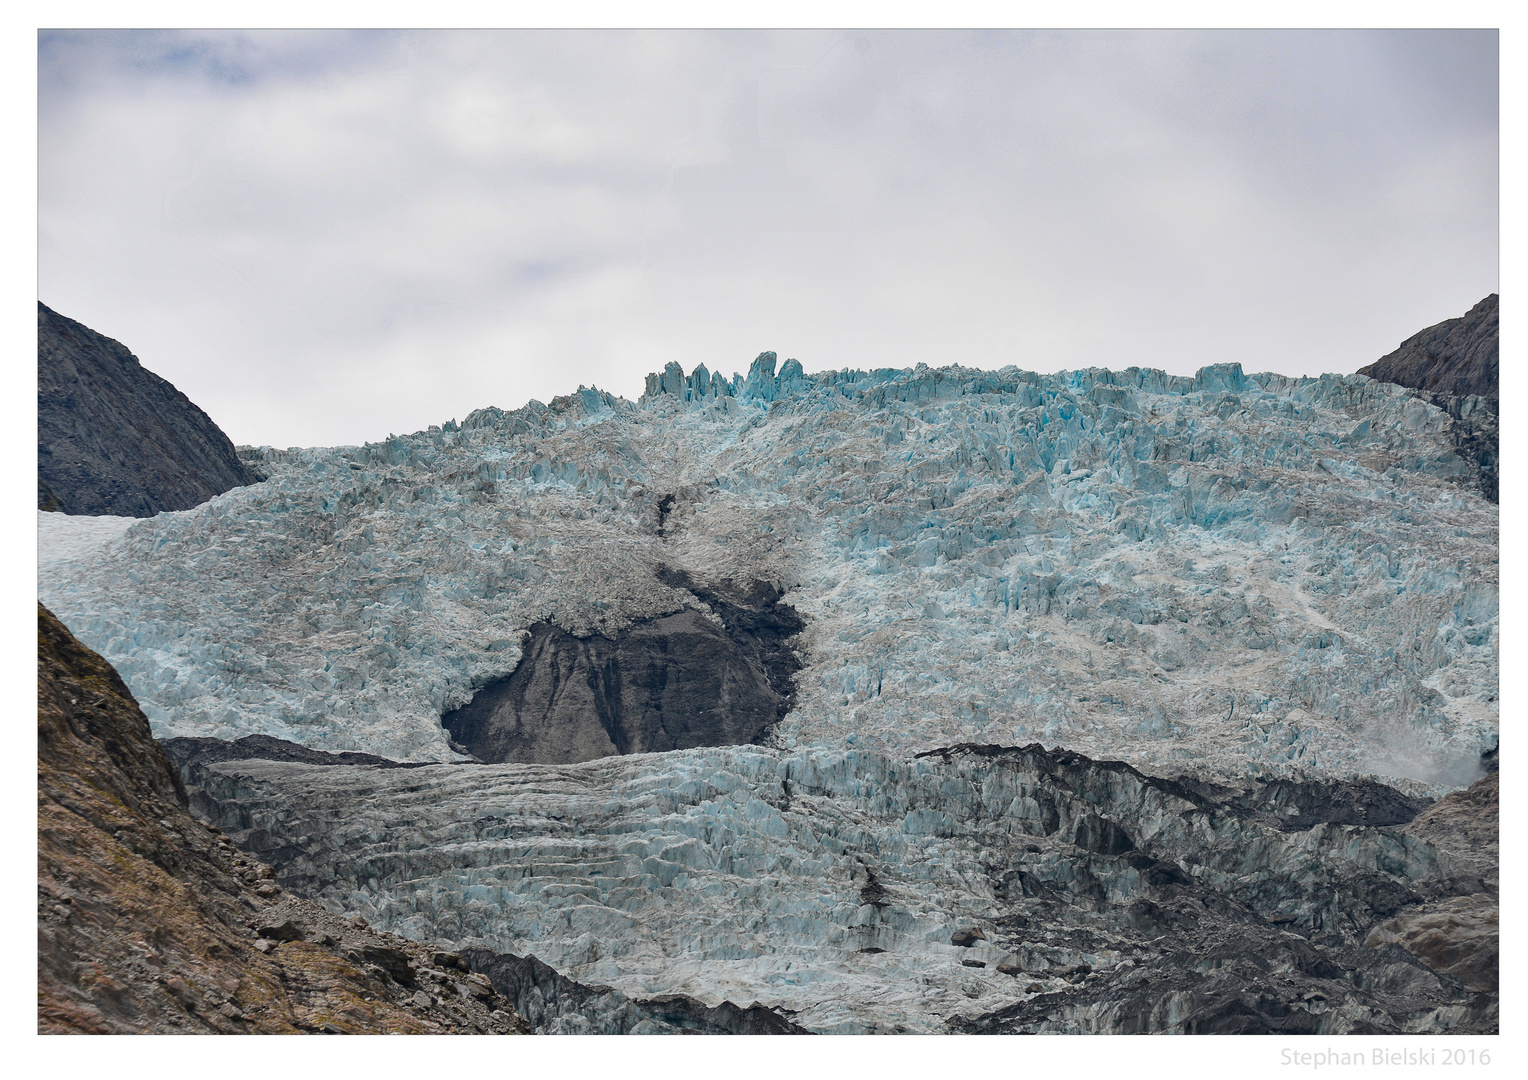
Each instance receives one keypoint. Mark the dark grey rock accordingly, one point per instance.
(394, 962)
(1455, 356)
(113, 437)
(555, 1004)
(287, 930)
(670, 683)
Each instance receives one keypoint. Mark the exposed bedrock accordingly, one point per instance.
(1456, 356)
(977, 888)
(669, 683)
(113, 437)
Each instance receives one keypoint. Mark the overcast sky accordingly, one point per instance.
(325, 237)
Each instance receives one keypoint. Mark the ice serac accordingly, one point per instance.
(114, 438)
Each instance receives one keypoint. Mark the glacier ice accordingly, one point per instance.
(834, 884)
(1242, 572)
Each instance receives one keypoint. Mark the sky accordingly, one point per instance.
(324, 237)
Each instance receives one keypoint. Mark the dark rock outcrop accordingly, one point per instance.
(555, 1004)
(151, 921)
(671, 683)
(758, 624)
(182, 751)
(1454, 366)
(1456, 356)
(113, 437)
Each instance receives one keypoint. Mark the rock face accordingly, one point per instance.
(670, 683)
(114, 438)
(973, 888)
(150, 921)
(1453, 366)
(1457, 356)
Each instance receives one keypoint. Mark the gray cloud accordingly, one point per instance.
(323, 237)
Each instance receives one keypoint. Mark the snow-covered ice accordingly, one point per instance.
(1243, 572)
(64, 539)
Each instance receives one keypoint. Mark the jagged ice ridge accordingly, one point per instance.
(1245, 572)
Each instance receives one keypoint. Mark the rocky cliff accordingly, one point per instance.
(1454, 366)
(149, 920)
(113, 437)
(1456, 356)
(667, 683)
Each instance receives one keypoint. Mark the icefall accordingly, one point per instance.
(1243, 572)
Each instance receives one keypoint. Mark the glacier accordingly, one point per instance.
(1240, 572)
(856, 892)
(1118, 691)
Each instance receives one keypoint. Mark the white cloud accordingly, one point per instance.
(324, 237)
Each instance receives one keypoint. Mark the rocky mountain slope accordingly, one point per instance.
(113, 437)
(1454, 366)
(1456, 356)
(149, 920)
(975, 888)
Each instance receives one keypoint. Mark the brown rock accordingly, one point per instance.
(157, 937)
(1458, 937)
